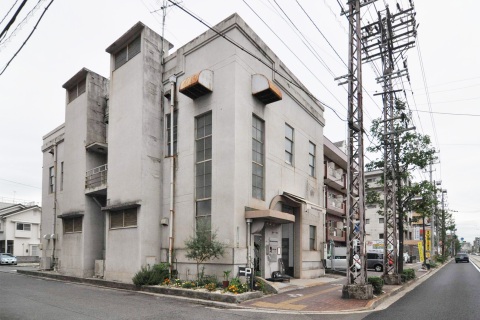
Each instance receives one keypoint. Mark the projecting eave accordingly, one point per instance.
(80, 75)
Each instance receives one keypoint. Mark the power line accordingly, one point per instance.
(33, 30)
(9, 11)
(23, 184)
(12, 20)
(291, 81)
(20, 25)
(301, 61)
(448, 113)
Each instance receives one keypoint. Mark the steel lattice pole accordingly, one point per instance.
(356, 186)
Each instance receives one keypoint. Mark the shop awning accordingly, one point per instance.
(270, 215)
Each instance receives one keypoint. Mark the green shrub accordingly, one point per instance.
(188, 284)
(377, 284)
(408, 274)
(439, 259)
(151, 276)
(207, 279)
(433, 264)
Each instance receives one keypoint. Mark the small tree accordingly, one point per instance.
(203, 245)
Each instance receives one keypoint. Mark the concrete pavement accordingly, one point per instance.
(324, 295)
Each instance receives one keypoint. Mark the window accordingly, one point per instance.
(367, 221)
(380, 220)
(313, 237)
(77, 90)
(123, 218)
(203, 169)
(61, 176)
(175, 124)
(288, 144)
(51, 180)
(24, 226)
(71, 225)
(380, 236)
(258, 167)
(311, 158)
(127, 53)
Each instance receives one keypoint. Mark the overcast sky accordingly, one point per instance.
(74, 34)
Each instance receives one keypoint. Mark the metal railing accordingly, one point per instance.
(96, 177)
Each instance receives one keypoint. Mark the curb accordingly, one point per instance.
(206, 297)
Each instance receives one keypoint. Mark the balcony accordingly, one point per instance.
(335, 204)
(334, 176)
(336, 234)
(96, 180)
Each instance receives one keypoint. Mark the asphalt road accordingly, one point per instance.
(30, 298)
(451, 293)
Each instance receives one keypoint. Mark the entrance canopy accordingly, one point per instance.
(270, 215)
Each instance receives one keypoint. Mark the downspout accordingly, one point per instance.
(172, 173)
(55, 158)
(249, 242)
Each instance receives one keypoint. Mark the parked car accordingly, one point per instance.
(7, 258)
(461, 257)
(375, 261)
(340, 262)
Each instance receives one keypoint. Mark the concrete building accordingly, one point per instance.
(20, 229)
(335, 176)
(230, 142)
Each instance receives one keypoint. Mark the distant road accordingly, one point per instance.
(451, 293)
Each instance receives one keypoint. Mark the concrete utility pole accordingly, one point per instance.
(444, 231)
(387, 39)
(357, 286)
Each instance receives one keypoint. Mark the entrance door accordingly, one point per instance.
(288, 248)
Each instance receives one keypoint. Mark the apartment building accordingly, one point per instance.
(335, 170)
(212, 135)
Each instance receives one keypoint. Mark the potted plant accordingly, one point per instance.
(226, 282)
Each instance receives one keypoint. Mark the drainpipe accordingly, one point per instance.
(249, 242)
(55, 158)
(172, 173)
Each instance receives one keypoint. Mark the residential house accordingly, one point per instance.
(213, 134)
(20, 229)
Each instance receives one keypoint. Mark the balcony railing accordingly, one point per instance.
(96, 177)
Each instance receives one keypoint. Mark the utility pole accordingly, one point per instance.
(357, 286)
(387, 39)
(444, 231)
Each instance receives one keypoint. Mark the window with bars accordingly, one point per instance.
(203, 169)
(77, 90)
(71, 225)
(123, 218)
(313, 237)
(24, 226)
(288, 144)
(51, 180)
(175, 125)
(311, 158)
(258, 166)
(126, 54)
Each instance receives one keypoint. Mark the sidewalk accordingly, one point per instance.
(325, 295)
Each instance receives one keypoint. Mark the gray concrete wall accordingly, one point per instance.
(50, 225)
